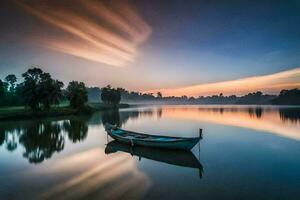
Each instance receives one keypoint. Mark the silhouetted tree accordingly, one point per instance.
(111, 95)
(50, 90)
(288, 97)
(9, 96)
(94, 94)
(30, 88)
(11, 80)
(77, 94)
(39, 89)
(159, 95)
(115, 97)
(2, 92)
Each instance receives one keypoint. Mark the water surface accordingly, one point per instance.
(246, 153)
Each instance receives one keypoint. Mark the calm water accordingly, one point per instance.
(245, 153)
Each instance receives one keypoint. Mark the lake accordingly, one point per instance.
(246, 152)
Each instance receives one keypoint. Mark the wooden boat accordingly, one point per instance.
(141, 139)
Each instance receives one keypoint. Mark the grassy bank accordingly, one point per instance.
(25, 113)
(20, 112)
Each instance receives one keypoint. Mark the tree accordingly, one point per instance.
(50, 90)
(2, 89)
(94, 94)
(288, 97)
(159, 95)
(9, 96)
(30, 91)
(115, 96)
(77, 94)
(11, 80)
(39, 89)
(111, 95)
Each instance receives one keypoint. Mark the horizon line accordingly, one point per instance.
(270, 83)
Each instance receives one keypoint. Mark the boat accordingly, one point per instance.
(157, 141)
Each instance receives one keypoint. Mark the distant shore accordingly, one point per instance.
(20, 112)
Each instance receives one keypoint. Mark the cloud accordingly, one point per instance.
(272, 84)
(107, 32)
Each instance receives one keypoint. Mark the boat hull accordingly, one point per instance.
(177, 143)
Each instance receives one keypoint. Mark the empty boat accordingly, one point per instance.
(157, 141)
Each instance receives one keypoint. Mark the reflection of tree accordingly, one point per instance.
(258, 112)
(159, 113)
(147, 113)
(221, 110)
(129, 115)
(290, 114)
(251, 112)
(255, 112)
(2, 137)
(41, 140)
(111, 117)
(120, 118)
(11, 141)
(9, 137)
(76, 129)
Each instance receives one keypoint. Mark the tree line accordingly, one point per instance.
(285, 97)
(39, 91)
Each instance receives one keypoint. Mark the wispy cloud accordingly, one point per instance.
(272, 83)
(103, 31)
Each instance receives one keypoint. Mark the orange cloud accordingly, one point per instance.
(101, 32)
(272, 83)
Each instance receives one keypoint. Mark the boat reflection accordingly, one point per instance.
(40, 139)
(172, 157)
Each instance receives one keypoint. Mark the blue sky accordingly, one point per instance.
(191, 42)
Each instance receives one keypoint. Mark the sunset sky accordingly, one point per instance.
(177, 47)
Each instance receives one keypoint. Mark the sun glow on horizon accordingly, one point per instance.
(271, 84)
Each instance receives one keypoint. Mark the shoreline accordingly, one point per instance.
(21, 113)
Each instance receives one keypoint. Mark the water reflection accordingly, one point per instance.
(276, 120)
(120, 118)
(173, 157)
(77, 129)
(42, 138)
(89, 174)
(91, 170)
(290, 114)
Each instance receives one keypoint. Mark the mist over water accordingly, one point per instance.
(247, 152)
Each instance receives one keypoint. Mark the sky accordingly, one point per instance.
(178, 47)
